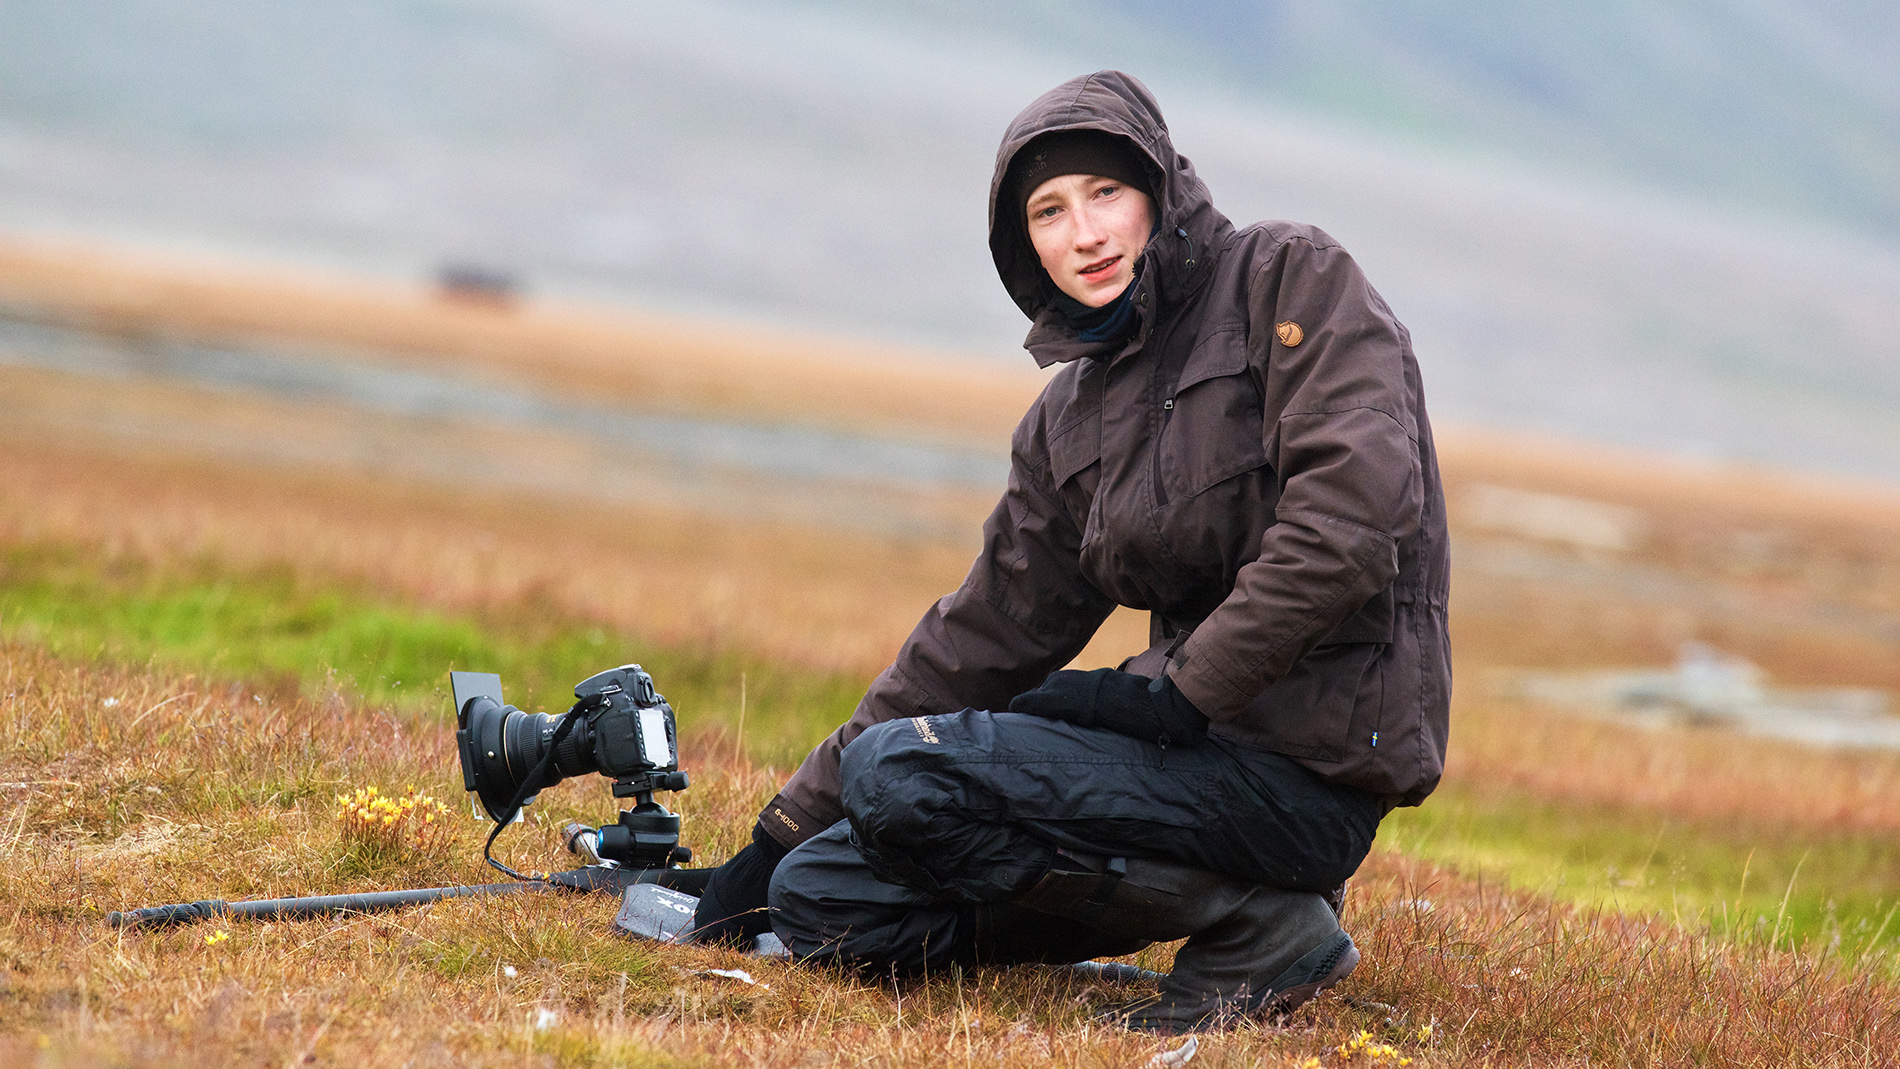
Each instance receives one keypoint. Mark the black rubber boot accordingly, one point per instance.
(1271, 956)
(1250, 949)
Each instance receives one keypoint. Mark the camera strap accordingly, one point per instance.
(530, 784)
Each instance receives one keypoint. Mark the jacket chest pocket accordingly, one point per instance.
(1211, 427)
(1075, 455)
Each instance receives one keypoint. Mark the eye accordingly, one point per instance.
(1049, 212)
(1108, 190)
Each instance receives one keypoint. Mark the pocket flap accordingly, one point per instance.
(1075, 447)
(1216, 431)
(1222, 352)
(1372, 623)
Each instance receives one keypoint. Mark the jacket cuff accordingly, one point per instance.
(1217, 699)
(788, 823)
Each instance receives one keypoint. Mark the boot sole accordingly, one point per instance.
(1333, 962)
(1285, 1001)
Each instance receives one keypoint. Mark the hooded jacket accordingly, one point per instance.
(1252, 465)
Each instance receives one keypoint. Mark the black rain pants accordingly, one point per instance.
(946, 815)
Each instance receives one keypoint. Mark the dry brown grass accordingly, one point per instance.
(820, 598)
(826, 598)
(185, 789)
(1799, 572)
(1682, 773)
(649, 359)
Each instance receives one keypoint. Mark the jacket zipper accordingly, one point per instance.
(1167, 417)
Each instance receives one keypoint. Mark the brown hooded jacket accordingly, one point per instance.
(1252, 466)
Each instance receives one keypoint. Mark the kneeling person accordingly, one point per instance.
(1236, 443)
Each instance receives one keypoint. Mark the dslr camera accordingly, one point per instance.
(619, 726)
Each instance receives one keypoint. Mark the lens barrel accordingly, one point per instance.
(501, 745)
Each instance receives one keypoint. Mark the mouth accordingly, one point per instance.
(1100, 269)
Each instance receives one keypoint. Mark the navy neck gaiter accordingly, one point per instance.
(1110, 322)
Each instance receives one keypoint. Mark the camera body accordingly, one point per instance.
(619, 726)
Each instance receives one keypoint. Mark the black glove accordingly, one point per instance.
(1152, 710)
(733, 910)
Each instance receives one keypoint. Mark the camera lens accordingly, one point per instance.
(619, 727)
(501, 745)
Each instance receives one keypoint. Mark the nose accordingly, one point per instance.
(1088, 231)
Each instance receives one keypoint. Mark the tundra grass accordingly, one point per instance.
(1747, 881)
(128, 785)
(284, 636)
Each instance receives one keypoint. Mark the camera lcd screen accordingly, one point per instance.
(653, 741)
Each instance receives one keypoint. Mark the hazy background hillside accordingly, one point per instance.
(1671, 224)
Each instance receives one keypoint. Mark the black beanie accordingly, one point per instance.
(1075, 152)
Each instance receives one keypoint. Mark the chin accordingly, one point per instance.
(1098, 295)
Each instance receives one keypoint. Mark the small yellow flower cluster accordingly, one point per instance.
(1362, 1046)
(391, 827)
(217, 937)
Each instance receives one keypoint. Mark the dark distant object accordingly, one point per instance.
(473, 284)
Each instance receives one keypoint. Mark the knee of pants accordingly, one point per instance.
(793, 906)
(894, 785)
(827, 905)
(923, 821)
(876, 757)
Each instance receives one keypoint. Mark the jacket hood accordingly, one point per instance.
(1188, 234)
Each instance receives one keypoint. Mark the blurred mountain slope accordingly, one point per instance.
(1761, 103)
(1672, 224)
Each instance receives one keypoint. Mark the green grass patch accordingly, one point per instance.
(284, 633)
(1758, 884)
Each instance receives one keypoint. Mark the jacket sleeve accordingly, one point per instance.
(1023, 611)
(1343, 445)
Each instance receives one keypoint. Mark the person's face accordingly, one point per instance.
(1088, 231)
